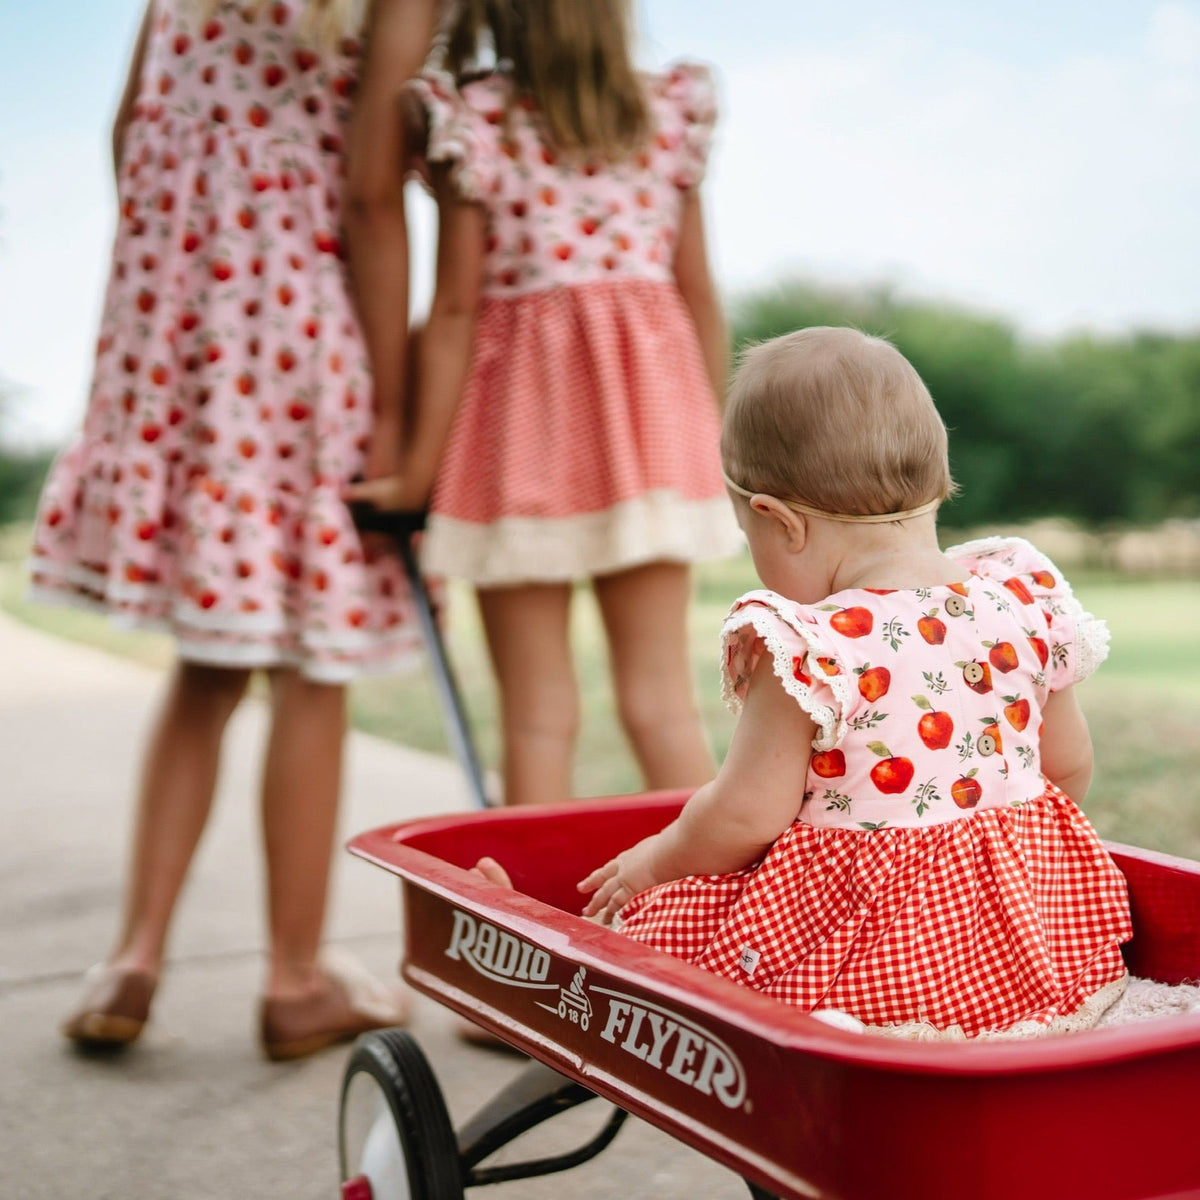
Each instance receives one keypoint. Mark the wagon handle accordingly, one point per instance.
(400, 527)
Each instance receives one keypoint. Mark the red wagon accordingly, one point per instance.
(776, 1095)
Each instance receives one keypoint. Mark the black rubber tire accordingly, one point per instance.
(393, 1058)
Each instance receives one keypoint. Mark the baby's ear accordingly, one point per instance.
(791, 524)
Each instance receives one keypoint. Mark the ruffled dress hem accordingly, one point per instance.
(660, 526)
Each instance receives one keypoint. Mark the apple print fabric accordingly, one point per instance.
(586, 439)
(230, 399)
(933, 883)
(928, 701)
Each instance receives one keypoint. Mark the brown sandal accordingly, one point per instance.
(350, 1002)
(115, 1008)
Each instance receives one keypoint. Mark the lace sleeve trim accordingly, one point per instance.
(765, 620)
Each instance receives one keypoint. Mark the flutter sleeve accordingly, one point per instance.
(1069, 641)
(456, 134)
(762, 622)
(691, 93)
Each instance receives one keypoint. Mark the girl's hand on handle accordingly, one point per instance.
(400, 492)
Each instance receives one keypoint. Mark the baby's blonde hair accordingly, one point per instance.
(837, 420)
(323, 24)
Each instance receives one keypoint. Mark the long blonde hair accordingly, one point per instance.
(323, 23)
(571, 58)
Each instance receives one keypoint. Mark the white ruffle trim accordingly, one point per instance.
(765, 621)
(1092, 635)
(323, 657)
(656, 527)
(1086, 1016)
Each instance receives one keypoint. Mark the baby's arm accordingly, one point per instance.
(695, 284)
(1066, 745)
(129, 93)
(376, 234)
(732, 821)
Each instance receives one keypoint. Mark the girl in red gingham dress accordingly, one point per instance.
(894, 833)
(568, 372)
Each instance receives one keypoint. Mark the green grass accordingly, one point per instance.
(1143, 706)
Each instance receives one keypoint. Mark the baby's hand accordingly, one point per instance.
(619, 880)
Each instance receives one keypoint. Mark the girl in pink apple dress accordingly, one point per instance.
(566, 416)
(231, 401)
(895, 833)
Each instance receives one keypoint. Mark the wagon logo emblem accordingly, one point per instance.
(497, 955)
(573, 1004)
(671, 1042)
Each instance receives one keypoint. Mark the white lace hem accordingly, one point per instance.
(1092, 636)
(323, 658)
(1086, 1016)
(656, 527)
(830, 722)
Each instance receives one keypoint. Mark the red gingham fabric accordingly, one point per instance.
(1009, 915)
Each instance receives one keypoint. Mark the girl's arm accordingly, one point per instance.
(398, 38)
(444, 347)
(732, 821)
(1066, 745)
(129, 94)
(695, 285)
(443, 352)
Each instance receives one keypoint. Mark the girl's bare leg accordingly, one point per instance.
(645, 617)
(301, 788)
(529, 644)
(179, 776)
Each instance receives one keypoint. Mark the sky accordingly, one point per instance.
(1039, 159)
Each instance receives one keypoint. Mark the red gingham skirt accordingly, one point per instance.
(1010, 915)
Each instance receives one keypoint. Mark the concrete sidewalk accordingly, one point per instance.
(193, 1110)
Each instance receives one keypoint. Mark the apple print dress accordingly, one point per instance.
(934, 883)
(230, 399)
(586, 438)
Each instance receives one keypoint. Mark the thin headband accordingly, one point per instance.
(855, 518)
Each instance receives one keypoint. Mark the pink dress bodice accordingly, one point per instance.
(928, 701)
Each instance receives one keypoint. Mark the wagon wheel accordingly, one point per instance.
(395, 1140)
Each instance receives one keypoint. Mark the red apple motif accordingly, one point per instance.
(893, 774)
(222, 270)
(563, 251)
(1016, 712)
(243, 52)
(1043, 579)
(798, 671)
(853, 622)
(247, 447)
(213, 30)
(1003, 656)
(1018, 589)
(873, 682)
(934, 728)
(305, 60)
(146, 300)
(181, 43)
(244, 569)
(327, 535)
(829, 665)
(298, 411)
(151, 433)
(159, 374)
(965, 791)
(829, 764)
(548, 196)
(588, 226)
(931, 628)
(258, 115)
(357, 617)
(1039, 648)
(285, 359)
(146, 530)
(273, 75)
